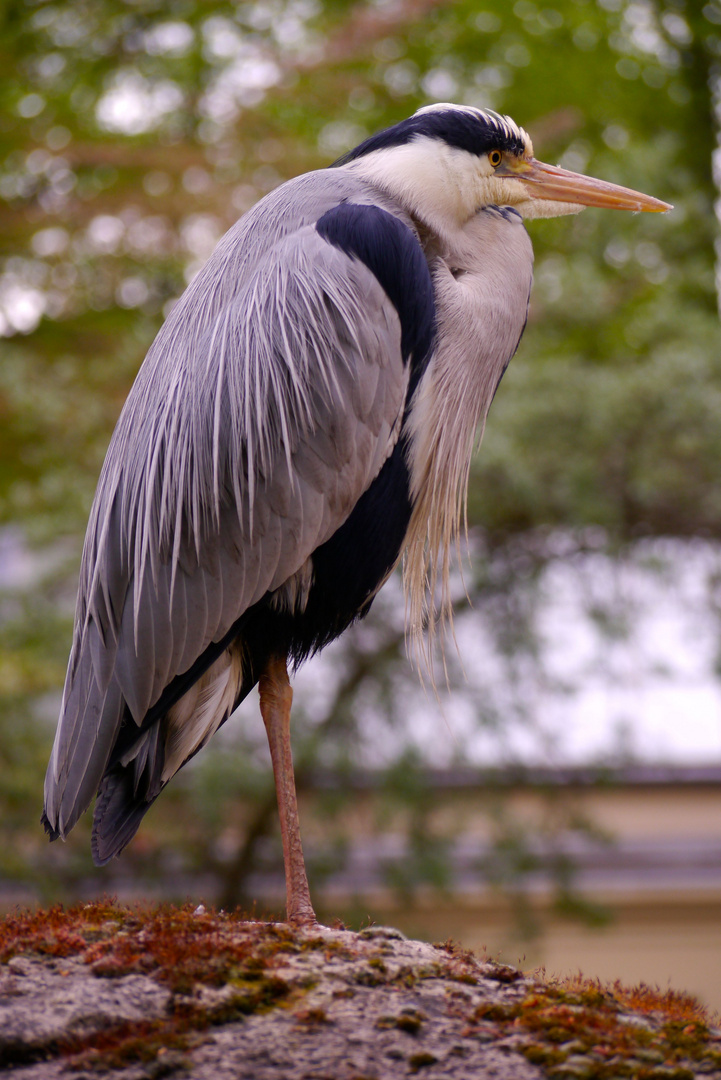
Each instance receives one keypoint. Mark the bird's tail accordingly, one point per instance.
(136, 777)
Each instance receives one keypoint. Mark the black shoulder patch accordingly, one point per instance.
(392, 253)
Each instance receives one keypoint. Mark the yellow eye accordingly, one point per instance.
(495, 157)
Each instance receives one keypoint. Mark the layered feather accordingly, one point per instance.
(264, 409)
(482, 282)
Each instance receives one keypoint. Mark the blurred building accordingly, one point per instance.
(642, 845)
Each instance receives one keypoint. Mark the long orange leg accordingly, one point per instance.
(276, 697)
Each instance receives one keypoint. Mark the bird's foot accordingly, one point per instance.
(301, 915)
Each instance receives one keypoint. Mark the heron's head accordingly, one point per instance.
(447, 161)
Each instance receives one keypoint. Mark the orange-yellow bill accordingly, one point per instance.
(549, 182)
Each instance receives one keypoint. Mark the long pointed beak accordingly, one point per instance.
(559, 185)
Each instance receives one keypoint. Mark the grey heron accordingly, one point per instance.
(305, 416)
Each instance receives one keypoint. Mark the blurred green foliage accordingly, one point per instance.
(133, 133)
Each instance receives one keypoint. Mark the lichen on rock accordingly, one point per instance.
(136, 994)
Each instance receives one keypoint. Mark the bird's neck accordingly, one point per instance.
(426, 181)
(481, 284)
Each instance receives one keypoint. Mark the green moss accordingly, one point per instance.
(406, 976)
(582, 1029)
(369, 978)
(417, 1062)
(538, 1054)
(409, 1020)
(495, 1011)
(431, 971)
(128, 1044)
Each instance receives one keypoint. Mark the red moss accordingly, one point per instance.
(616, 1030)
(311, 1017)
(179, 947)
(674, 1005)
(54, 931)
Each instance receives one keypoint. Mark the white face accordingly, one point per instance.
(443, 186)
(494, 188)
(537, 189)
(490, 189)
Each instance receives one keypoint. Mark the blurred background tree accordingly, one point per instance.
(132, 134)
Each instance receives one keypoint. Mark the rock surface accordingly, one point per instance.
(136, 995)
(42, 1001)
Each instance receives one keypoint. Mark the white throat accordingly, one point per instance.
(436, 184)
(481, 286)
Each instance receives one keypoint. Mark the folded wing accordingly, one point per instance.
(266, 407)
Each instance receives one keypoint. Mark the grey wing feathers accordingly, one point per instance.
(264, 409)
